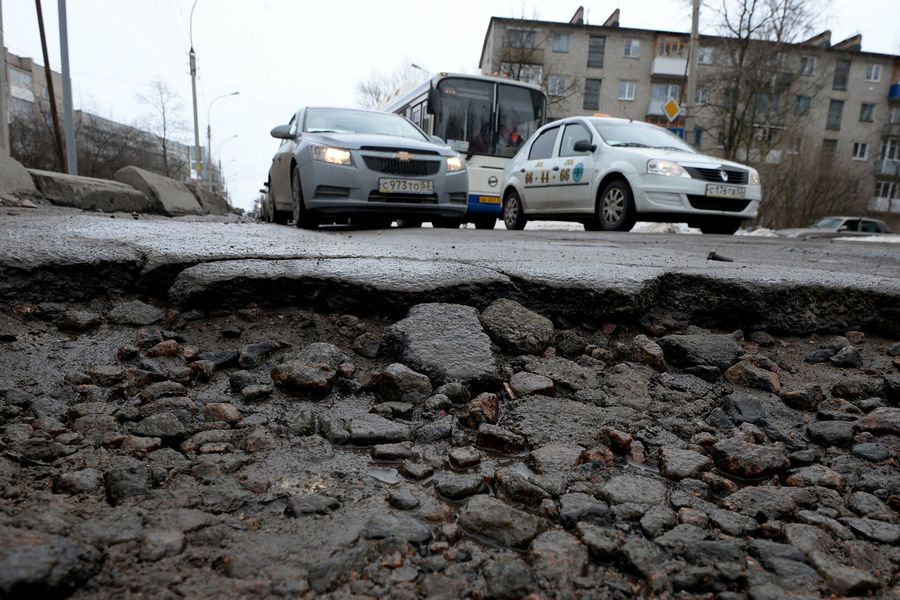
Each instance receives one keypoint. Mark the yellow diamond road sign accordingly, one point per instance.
(671, 109)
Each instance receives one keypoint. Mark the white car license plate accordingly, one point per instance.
(716, 190)
(389, 185)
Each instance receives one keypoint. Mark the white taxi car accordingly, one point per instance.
(608, 173)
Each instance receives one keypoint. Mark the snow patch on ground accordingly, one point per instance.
(872, 239)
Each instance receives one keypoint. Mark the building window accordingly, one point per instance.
(698, 136)
(890, 148)
(671, 47)
(632, 48)
(523, 72)
(702, 96)
(556, 85)
(560, 42)
(664, 91)
(835, 110)
(21, 84)
(860, 151)
(807, 65)
(705, 56)
(520, 38)
(894, 116)
(591, 94)
(596, 47)
(867, 113)
(841, 75)
(873, 73)
(829, 147)
(885, 189)
(802, 106)
(626, 90)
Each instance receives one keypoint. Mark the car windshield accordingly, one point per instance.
(639, 135)
(330, 120)
(828, 223)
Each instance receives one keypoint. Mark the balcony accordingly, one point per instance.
(891, 168)
(894, 93)
(666, 66)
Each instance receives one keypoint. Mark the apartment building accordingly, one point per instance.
(103, 145)
(830, 99)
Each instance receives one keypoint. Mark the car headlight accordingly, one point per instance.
(754, 177)
(455, 163)
(665, 167)
(335, 156)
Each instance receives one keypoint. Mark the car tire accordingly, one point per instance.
(591, 226)
(615, 207)
(302, 218)
(446, 223)
(513, 212)
(722, 225)
(485, 222)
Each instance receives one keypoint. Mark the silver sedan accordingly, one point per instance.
(357, 166)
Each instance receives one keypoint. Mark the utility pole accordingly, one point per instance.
(4, 87)
(60, 155)
(68, 113)
(198, 165)
(691, 84)
(209, 169)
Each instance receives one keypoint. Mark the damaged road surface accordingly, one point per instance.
(331, 414)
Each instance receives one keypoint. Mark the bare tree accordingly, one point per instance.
(380, 86)
(751, 94)
(827, 187)
(522, 57)
(165, 120)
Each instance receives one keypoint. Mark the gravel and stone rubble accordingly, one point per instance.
(149, 451)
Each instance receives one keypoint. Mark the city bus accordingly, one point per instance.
(486, 119)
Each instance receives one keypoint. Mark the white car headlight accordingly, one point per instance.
(335, 156)
(455, 163)
(754, 177)
(665, 167)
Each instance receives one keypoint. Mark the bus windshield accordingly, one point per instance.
(465, 117)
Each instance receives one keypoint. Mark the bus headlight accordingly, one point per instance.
(335, 156)
(455, 163)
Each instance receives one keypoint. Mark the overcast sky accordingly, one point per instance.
(283, 54)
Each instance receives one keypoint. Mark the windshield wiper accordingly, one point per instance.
(630, 145)
(328, 131)
(676, 148)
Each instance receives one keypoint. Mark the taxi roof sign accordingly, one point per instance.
(671, 109)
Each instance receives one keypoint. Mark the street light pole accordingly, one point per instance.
(209, 138)
(4, 114)
(68, 113)
(193, 58)
(692, 74)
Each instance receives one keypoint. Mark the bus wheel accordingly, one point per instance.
(485, 222)
(513, 215)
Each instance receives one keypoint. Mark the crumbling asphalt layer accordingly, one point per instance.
(253, 428)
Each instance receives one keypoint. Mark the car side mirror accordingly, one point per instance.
(584, 146)
(282, 132)
(438, 140)
(844, 228)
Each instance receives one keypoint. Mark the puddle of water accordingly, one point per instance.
(389, 476)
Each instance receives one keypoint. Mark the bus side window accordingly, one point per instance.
(416, 116)
(427, 124)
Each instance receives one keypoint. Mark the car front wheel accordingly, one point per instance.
(446, 222)
(485, 222)
(513, 214)
(302, 218)
(615, 210)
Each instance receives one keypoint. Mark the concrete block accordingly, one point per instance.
(211, 202)
(171, 197)
(88, 193)
(14, 178)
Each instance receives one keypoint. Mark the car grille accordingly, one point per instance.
(459, 197)
(404, 198)
(328, 191)
(725, 204)
(394, 166)
(735, 176)
(393, 150)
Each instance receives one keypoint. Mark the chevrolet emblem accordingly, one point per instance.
(403, 156)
